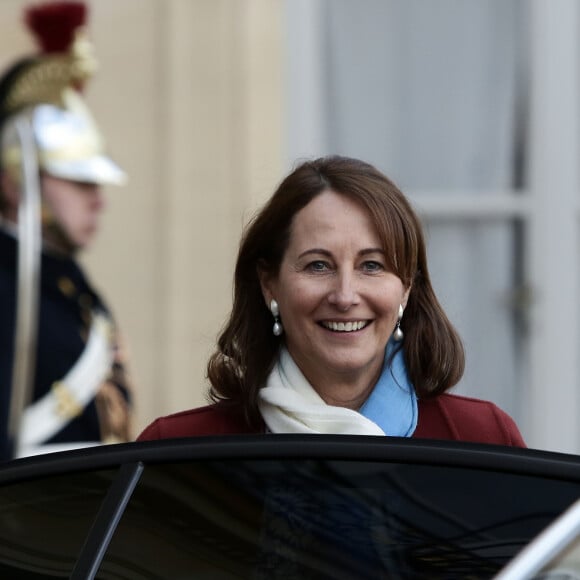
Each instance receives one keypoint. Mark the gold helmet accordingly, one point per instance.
(46, 88)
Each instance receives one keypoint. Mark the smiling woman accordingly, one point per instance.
(335, 327)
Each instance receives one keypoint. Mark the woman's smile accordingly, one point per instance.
(344, 326)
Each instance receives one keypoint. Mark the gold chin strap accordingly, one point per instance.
(52, 231)
(47, 218)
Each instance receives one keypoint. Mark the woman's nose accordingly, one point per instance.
(344, 292)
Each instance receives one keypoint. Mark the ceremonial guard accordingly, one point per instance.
(63, 379)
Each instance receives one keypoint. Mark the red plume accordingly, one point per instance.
(54, 23)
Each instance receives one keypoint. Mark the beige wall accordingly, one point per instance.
(189, 96)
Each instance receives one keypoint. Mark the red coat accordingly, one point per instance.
(450, 417)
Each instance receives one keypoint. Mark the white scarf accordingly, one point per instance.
(289, 404)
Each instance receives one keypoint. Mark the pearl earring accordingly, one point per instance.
(398, 333)
(277, 329)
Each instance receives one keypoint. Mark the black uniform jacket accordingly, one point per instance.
(67, 302)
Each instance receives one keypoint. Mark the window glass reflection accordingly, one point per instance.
(328, 519)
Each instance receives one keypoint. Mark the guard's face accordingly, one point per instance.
(74, 207)
(338, 299)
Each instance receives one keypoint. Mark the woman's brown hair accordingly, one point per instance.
(247, 349)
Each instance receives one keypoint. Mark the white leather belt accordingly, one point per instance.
(69, 396)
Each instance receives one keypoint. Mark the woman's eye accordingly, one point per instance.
(317, 266)
(372, 266)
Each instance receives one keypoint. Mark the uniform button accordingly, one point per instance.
(66, 286)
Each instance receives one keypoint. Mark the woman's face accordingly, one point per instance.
(338, 300)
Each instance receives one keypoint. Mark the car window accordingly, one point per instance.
(44, 523)
(328, 519)
(552, 555)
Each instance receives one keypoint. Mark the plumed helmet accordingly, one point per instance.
(47, 89)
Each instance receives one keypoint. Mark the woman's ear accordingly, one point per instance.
(265, 278)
